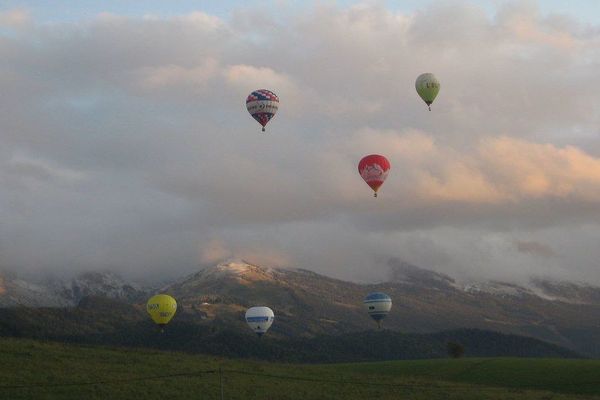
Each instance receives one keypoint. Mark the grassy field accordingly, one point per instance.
(34, 370)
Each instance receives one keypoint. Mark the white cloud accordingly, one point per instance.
(213, 252)
(176, 75)
(202, 21)
(14, 18)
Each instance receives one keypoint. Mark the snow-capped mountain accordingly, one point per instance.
(59, 293)
(408, 274)
(240, 270)
(308, 304)
(17, 292)
(104, 284)
(565, 292)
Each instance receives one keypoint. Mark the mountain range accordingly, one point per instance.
(309, 305)
(66, 293)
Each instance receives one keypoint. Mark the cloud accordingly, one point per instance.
(14, 18)
(493, 170)
(535, 248)
(38, 170)
(543, 170)
(505, 169)
(175, 75)
(214, 251)
(202, 21)
(251, 77)
(126, 142)
(529, 27)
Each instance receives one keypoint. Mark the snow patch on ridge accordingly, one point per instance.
(237, 269)
(105, 284)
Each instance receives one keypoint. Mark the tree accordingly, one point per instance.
(455, 350)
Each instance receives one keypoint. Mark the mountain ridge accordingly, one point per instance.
(308, 304)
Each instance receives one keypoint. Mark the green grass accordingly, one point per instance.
(557, 375)
(58, 371)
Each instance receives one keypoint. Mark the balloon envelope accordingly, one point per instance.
(378, 305)
(427, 87)
(260, 319)
(262, 104)
(374, 169)
(161, 308)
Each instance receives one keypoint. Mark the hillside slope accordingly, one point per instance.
(106, 321)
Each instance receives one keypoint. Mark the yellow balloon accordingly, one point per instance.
(161, 308)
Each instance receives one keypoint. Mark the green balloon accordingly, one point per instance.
(428, 87)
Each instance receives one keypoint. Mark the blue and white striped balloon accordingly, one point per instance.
(378, 305)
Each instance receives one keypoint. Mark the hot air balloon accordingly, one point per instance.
(428, 87)
(262, 104)
(161, 308)
(374, 170)
(378, 306)
(260, 319)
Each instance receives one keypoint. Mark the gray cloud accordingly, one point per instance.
(535, 248)
(126, 143)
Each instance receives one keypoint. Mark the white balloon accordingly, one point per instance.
(378, 305)
(260, 319)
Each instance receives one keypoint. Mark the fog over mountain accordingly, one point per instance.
(126, 146)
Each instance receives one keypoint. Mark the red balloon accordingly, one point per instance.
(374, 170)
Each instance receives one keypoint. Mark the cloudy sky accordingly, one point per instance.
(126, 145)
